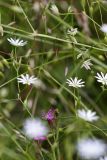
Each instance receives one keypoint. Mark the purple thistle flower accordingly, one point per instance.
(50, 115)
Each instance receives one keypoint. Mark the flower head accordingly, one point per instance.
(76, 83)
(16, 42)
(26, 79)
(50, 115)
(91, 148)
(102, 78)
(87, 115)
(103, 158)
(54, 9)
(104, 28)
(87, 64)
(35, 129)
(72, 31)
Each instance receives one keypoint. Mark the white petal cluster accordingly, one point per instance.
(104, 28)
(72, 31)
(87, 115)
(91, 148)
(35, 128)
(103, 158)
(16, 42)
(102, 78)
(76, 83)
(54, 9)
(26, 79)
(87, 64)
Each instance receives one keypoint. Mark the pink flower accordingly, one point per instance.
(50, 115)
(42, 138)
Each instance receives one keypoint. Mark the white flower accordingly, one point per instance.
(75, 82)
(104, 28)
(102, 78)
(87, 115)
(86, 64)
(35, 128)
(103, 158)
(26, 79)
(54, 9)
(16, 42)
(72, 31)
(91, 148)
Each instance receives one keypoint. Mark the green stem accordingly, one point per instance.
(53, 150)
(31, 36)
(99, 96)
(26, 107)
(57, 137)
(26, 16)
(17, 144)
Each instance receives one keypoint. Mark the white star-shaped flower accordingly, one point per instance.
(87, 64)
(87, 115)
(76, 83)
(16, 42)
(91, 148)
(26, 79)
(102, 78)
